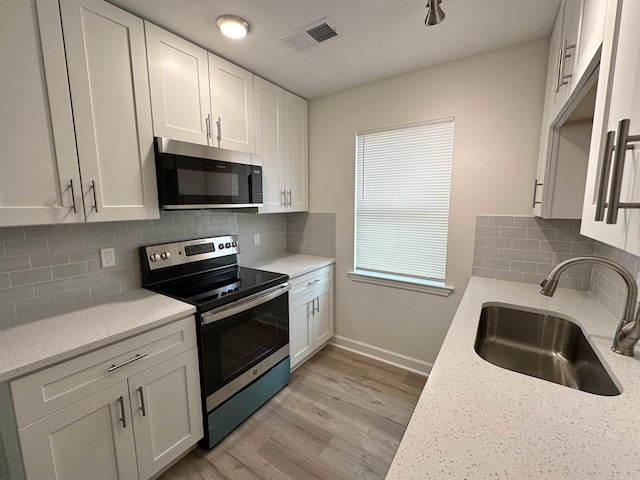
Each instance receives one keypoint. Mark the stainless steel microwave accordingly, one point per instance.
(190, 182)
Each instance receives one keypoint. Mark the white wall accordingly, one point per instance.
(496, 99)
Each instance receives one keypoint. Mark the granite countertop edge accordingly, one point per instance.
(292, 264)
(476, 421)
(54, 336)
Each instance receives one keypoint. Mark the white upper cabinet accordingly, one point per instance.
(40, 181)
(198, 97)
(568, 109)
(613, 177)
(269, 118)
(179, 83)
(107, 66)
(87, 87)
(232, 112)
(282, 141)
(296, 153)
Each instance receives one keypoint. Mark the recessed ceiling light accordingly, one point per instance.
(232, 26)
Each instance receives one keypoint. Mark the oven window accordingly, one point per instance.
(234, 345)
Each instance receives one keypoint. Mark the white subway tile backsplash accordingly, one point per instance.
(56, 265)
(27, 277)
(547, 243)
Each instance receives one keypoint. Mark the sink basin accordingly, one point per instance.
(542, 346)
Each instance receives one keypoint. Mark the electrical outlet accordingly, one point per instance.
(256, 239)
(108, 257)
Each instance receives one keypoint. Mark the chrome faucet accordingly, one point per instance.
(628, 331)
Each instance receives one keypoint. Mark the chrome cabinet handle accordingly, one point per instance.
(207, 122)
(289, 204)
(95, 198)
(623, 139)
(318, 304)
(73, 195)
(124, 418)
(283, 203)
(314, 282)
(142, 406)
(605, 168)
(137, 357)
(313, 306)
(535, 192)
(219, 125)
(561, 78)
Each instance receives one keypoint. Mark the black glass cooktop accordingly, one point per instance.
(211, 290)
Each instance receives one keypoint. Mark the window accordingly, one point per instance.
(403, 178)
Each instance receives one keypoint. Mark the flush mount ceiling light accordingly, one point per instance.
(435, 15)
(232, 26)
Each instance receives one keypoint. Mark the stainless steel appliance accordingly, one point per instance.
(242, 321)
(192, 176)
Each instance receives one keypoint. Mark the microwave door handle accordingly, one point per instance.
(245, 304)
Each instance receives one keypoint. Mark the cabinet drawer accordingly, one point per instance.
(310, 281)
(47, 391)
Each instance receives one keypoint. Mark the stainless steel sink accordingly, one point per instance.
(542, 346)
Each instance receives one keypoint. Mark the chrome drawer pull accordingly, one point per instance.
(620, 150)
(124, 418)
(535, 192)
(314, 282)
(73, 195)
(95, 198)
(142, 406)
(137, 357)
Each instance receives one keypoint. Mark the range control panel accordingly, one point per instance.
(180, 253)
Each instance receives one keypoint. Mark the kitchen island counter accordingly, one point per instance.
(475, 420)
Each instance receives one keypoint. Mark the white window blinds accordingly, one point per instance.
(403, 178)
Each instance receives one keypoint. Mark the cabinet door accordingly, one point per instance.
(618, 98)
(179, 83)
(87, 440)
(38, 160)
(107, 66)
(269, 119)
(590, 18)
(323, 317)
(167, 415)
(300, 329)
(296, 153)
(232, 110)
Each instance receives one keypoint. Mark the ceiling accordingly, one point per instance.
(378, 38)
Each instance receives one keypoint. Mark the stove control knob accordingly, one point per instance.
(165, 255)
(221, 246)
(154, 257)
(227, 245)
(234, 244)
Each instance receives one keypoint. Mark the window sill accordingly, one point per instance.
(404, 283)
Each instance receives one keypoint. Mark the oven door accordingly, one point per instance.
(241, 341)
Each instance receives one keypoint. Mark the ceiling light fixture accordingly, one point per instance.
(435, 15)
(232, 26)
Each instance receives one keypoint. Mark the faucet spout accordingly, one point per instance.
(628, 331)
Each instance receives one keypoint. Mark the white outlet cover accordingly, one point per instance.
(108, 257)
(256, 239)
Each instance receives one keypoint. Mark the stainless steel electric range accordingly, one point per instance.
(242, 321)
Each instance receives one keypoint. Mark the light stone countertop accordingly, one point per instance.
(65, 333)
(292, 264)
(475, 420)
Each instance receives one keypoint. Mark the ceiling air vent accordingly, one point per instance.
(311, 35)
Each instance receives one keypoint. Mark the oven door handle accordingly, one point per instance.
(245, 304)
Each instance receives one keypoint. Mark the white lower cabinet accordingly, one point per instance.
(310, 314)
(85, 440)
(131, 427)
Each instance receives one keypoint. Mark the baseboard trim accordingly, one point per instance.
(382, 355)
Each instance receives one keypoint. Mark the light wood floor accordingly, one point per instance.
(341, 417)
